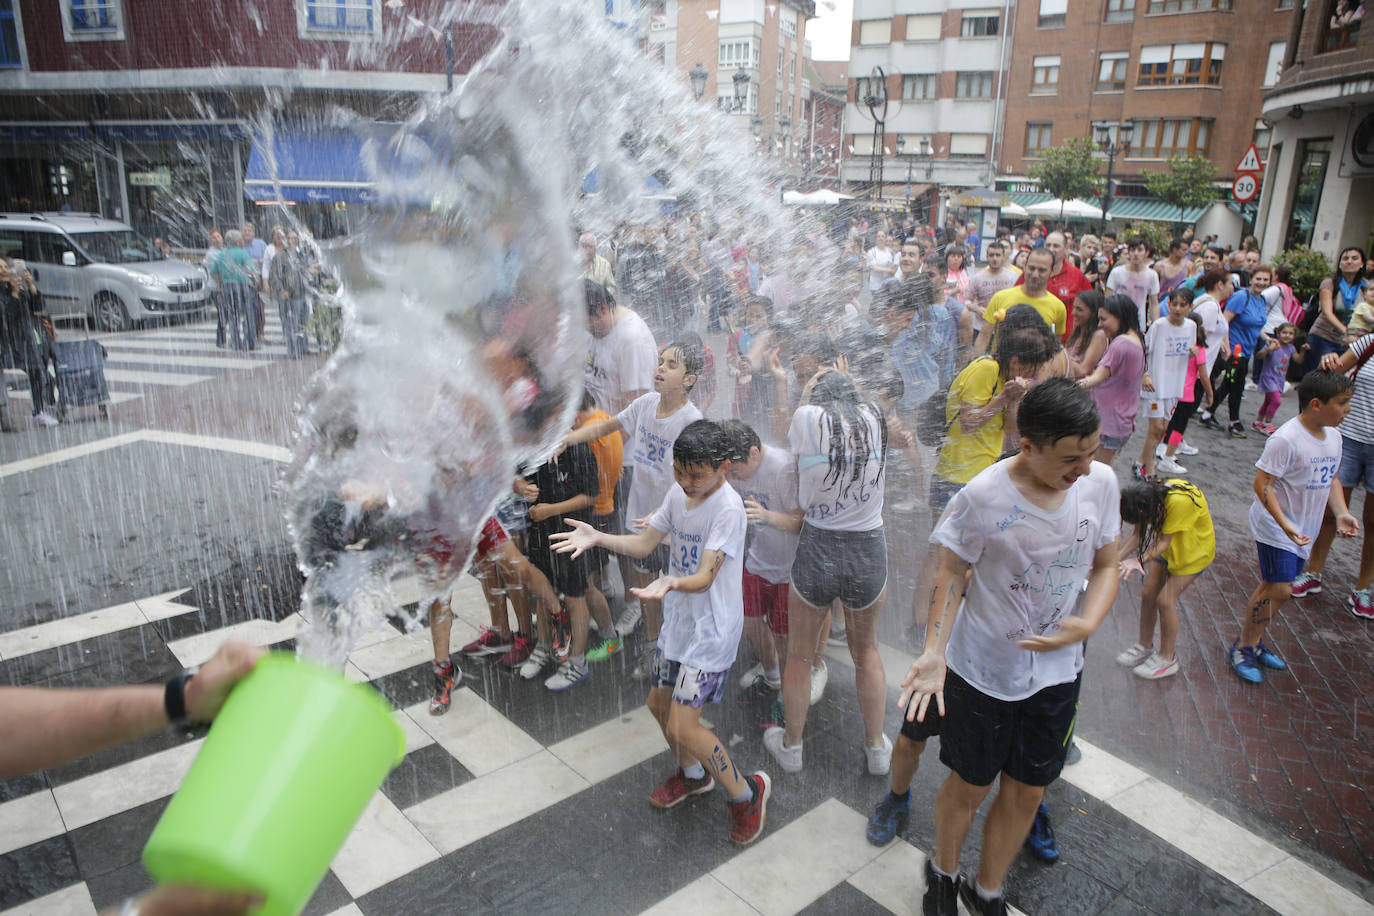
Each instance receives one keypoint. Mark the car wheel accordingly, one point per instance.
(110, 313)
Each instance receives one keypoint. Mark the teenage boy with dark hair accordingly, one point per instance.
(1295, 484)
(703, 523)
(1032, 529)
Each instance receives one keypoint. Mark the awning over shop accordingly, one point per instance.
(311, 164)
(1152, 210)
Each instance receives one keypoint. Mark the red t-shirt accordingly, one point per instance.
(1066, 285)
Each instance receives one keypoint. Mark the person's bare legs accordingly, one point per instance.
(869, 678)
(1327, 535)
(1105, 455)
(522, 579)
(760, 636)
(598, 608)
(1168, 612)
(441, 626)
(1008, 823)
(906, 759)
(955, 806)
(1155, 575)
(1152, 437)
(1264, 603)
(803, 632)
(577, 611)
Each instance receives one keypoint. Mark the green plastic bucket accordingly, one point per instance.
(289, 765)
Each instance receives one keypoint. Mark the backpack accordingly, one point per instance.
(931, 427)
(1310, 312)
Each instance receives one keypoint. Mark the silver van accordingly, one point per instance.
(86, 264)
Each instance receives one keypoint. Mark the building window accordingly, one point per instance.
(980, 23)
(779, 63)
(1053, 14)
(788, 22)
(1273, 66)
(742, 52)
(1343, 26)
(1168, 137)
(1284, 5)
(1187, 6)
(340, 20)
(835, 118)
(866, 86)
(1263, 133)
(9, 36)
(1313, 157)
(1119, 11)
(875, 31)
(1111, 71)
(92, 20)
(968, 145)
(792, 69)
(861, 144)
(1045, 75)
(918, 86)
(1037, 139)
(923, 28)
(973, 84)
(1192, 64)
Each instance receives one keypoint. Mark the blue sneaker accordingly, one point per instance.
(1244, 663)
(1266, 657)
(889, 819)
(1040, 840)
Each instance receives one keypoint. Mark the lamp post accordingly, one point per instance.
(741, 80)
(876, 103)
(1102, 134)
(901, 154)
(698, 77)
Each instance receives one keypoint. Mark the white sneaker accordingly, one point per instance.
(569, 674)
(1167, 465)
(819, 677)
(1156, 667)
(748, 678)
(538, 660)
(789, 758)
(879, 758)
(837, 635)
(1185, 449)
(1134, 655)
(43, 418)
(629, 618)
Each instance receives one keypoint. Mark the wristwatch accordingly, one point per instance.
(174, 698)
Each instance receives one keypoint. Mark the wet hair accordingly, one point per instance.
(1176, 243)
(817, 344)
(1322, 385)
(936, 263)
(598, 297)
(762, 301)
(1022, 333)
(914, 295)
(742, 438)
(1136, 241)
(838, 397)
(690, 352)
(1143, 504)
(1124, 311)
(1083, 331)
(701, 442)
(1183, 295)
(1057, 408)
(588, 402)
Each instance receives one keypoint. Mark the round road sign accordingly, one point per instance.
(1245, 188)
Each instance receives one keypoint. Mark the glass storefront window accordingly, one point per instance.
(1313, 157)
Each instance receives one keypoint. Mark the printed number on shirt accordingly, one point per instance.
(687, 558)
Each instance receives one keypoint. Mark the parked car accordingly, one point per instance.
(86, 264)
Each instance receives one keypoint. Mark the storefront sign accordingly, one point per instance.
(44, 132)
(160, 178)
(174, 130)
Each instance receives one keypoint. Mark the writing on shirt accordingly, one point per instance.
(1323, 469)
(651, 449)
(1177, 346)
(1061, 579)
(860, 492)
(684, 552)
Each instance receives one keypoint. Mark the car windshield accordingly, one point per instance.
(120, 246)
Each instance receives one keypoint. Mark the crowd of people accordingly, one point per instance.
(245, 273)
(1026, 362)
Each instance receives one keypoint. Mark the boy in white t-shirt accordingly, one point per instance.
(1004, 665)
(1136, 280)
(765, 477)
(1169, 344)
(1294, 487)
(703, 523)
(650, 423)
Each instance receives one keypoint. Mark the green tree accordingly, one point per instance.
(1186, 183)
(1309, 268)
(1069, 171)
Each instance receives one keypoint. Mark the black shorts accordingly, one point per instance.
(656, 563)
(622, 496)
(1026, 739)
(923, 731)
(849, 565)
(606, 524)
(567, 575)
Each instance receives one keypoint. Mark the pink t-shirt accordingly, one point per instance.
(1195, 365)
(1118, 398)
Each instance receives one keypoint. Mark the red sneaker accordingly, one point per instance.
(488, 642)
(520, 649)
(747, 818)
(444, 678)
(678, 788)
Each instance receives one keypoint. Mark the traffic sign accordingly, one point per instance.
(1244, 188)
(1250, 162)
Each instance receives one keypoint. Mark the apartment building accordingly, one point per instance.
(1318, 188)
(933, 116)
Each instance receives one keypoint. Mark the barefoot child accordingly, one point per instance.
(1293, 485)
(703, 523)
(1173, 541)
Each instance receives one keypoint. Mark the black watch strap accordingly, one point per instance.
(174, 697)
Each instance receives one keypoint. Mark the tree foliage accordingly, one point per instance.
(1069, 170)
(1309, 268)
(1186, 183)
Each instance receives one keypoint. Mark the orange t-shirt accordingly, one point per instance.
(609, 452)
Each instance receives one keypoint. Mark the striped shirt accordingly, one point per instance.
(1359, 423)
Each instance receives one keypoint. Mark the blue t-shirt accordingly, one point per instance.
(1250, 311)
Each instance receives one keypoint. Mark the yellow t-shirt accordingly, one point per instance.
(963, 454)
(1188, 519)
(1048, 305)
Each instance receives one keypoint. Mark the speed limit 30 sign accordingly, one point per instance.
(1245, 188)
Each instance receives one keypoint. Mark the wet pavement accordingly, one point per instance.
(1196, 794)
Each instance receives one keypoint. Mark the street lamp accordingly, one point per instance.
(876, 102)
(901, 154)
(698, 77)
(1102, 133)
(785, 132)
(741, 79)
